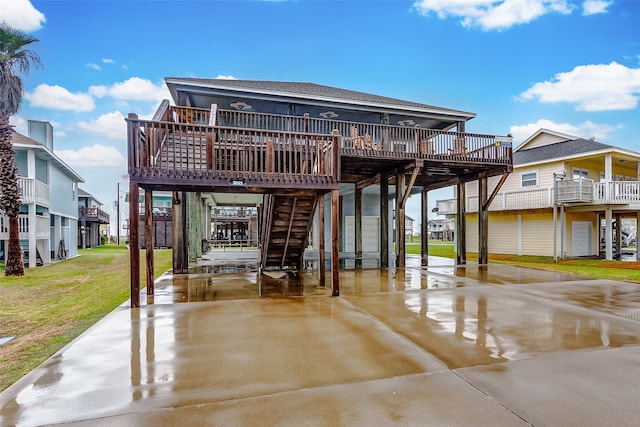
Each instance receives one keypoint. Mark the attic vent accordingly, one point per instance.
(241, 106)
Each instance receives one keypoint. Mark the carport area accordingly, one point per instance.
(443, 345)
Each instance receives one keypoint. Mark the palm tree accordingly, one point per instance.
(14, 58)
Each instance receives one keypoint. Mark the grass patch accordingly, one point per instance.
(625, 271)
(50, 306)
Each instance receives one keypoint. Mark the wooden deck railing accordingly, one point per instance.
(200, 142)
(92, 214)
(172, 149)
(399, 140)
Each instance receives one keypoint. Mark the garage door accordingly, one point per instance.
(581, 238)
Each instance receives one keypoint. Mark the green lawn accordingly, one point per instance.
(49, 306)
(592, 268)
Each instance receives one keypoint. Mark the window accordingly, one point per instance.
(529, 179)
(579, 173)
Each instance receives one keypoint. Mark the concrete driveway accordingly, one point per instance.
(443, 345)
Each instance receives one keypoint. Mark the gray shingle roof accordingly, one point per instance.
(558, 150)
(313, 90)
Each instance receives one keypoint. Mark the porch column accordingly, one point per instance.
(400, 220)
(134, 243)
(483, 221)
(461, 224)
(424, 232)
(321, 237)
(32, 235)
(148, 240)
(335, 266)
(358, 225)
(618, 234)
(384, 221)
(608, 234)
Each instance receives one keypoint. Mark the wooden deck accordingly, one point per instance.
(196, 149)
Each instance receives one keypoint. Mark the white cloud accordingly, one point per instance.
(19, 124)
(59, 98)
(94, 66)
(133, 89)
(492, 14)
(22, 15)
(592, 7)
(108, 61)
(97, 155)
(601, 87)
(112, 125)
(223, 77)
(588, 129)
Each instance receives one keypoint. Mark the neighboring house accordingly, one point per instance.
(564, 198)
(48, 217)
(91, 217)
(440, 229)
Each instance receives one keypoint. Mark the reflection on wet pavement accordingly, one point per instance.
(401, 345)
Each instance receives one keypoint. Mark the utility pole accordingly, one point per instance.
(118, 215)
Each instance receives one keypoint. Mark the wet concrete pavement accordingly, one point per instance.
(443, 345)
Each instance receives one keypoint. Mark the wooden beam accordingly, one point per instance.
(424, 232)
(358, 226)
(400, 221)
(412, 180)
(368, 181)
(496, 190)
(483, 221)
(134, 243)
(461, 224)
(384, 221)
(335, 219)
(321, 237)
(148, 241)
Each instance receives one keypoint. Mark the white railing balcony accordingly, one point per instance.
(617, 192)
(42, 227)
(574, 191)
(539, 198)
(34, 191)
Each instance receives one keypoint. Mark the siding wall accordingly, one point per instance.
(535, 233)
(63, 200)
(544, 139)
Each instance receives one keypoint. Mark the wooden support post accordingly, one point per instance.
(618, 235)
(335, 219)
(461, 225)
(148, 240)
(321, 255)
(358, 226)
(400, 219)
(384, 221)
(483, 221)
(134, 243)
(180, 249)
(424, 232)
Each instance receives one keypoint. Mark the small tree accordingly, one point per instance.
(14, 58)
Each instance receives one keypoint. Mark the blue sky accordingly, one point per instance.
(520, 65)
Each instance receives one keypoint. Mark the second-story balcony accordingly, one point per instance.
(40, 230)
(576, 192)
(34, 191)
(92, 214)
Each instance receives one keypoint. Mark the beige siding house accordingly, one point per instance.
(563, 199)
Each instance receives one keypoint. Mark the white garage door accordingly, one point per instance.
(581, 238)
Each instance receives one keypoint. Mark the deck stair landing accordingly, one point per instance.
(286, 223)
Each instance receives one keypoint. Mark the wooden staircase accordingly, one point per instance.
(286, 221)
